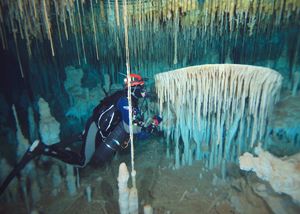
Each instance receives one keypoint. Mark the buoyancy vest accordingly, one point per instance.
(106, 115)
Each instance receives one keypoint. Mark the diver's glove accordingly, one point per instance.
(153, 127)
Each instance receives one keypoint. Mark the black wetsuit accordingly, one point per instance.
(110, 118)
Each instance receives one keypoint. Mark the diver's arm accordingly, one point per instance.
(124, 109)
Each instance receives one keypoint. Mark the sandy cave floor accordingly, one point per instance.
(189, 190)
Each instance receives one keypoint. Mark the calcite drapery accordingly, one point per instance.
(223, 108)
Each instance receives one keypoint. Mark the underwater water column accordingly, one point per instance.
(216, 111)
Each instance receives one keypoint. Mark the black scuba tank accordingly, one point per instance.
(107, 149)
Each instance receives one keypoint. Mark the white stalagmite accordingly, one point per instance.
(123, 189)
(88, 191)
(23, 143)
(148, 209)
(222, 107)
(56, 179)
(71, 180)
(282, 173)
(49, 127)
(29, 172)
(133, 201)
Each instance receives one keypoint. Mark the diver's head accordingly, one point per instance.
(137, 86)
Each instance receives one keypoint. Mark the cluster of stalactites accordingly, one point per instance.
(215, 11)
(218, 111)
(35, 19)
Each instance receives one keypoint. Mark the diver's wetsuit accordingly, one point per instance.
(110, 118)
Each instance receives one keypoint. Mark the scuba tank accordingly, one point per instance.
(108, 148)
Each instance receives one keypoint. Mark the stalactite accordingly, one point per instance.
(223, 16)
(102, 9)
(95, 31)
(20, 26)
(81, 33)
(57, 21)
(28, 42)
(227, 95)
(82, 8)
(76, 38)
(176, 29)
(48, 26)
(117, 13)
(63, 18)
(140, 14)
(2, 35)
(20, 6)
(33, 5)
(2, 29)
(17, 48)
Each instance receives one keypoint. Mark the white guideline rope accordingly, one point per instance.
(133, 172)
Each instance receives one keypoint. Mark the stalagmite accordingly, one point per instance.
(282, 173)
(148, 209)
(71, 180)
(296, 83)
(218, 100)
(88, 191)
(123, 189)
(23, 143)
(133, 201)
(56, 179)
(77, 177)
(28, 174)
(49, 128)
(35, 191)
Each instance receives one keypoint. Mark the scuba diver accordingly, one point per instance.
(106, 132)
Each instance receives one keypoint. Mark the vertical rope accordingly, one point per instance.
(133, 172)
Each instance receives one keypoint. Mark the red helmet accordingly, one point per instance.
(135, 80)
